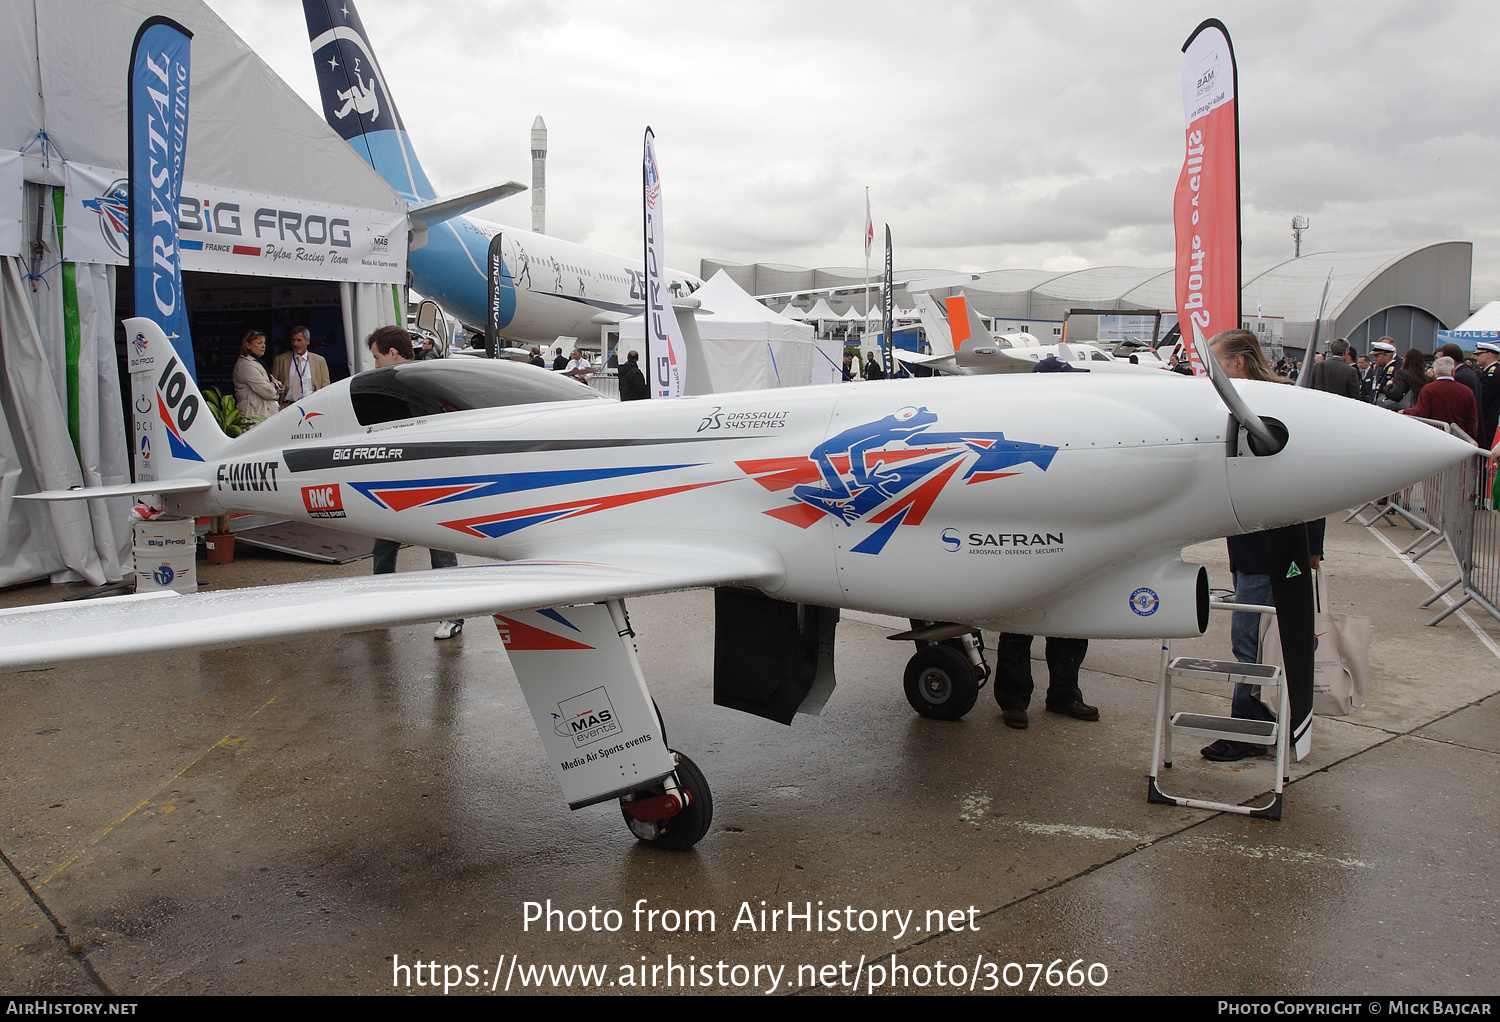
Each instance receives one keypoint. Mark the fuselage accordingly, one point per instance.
(971, 499)
(551, 287)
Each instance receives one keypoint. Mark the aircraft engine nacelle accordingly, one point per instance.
(1143, 600)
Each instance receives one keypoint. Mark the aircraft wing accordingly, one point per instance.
(937, 363)
(151, 622)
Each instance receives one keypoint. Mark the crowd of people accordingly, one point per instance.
(1454, 387)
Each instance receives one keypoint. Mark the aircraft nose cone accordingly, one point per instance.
(1339, 454)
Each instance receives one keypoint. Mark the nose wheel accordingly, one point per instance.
(943, 679)
(676, 813)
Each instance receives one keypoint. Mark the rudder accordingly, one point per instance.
(356, 100)
(175, 431)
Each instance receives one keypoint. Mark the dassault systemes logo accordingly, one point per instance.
(113, 208)
(1144, 601)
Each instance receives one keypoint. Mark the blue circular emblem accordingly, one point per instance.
(951, 540)
(164, 575)
(1144, 601)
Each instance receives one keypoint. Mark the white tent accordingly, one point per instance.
(822, 312)
(791, 312)
(742, 344)
(63, 141)
(1484, 325)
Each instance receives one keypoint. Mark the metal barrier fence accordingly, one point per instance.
(1451, 509)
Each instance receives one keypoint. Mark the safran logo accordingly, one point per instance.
(1144, 601)
(952, 541)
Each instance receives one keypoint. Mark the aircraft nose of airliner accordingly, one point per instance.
(1339, 454)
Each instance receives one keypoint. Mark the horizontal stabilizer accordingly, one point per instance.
(947, 364)
(148, 623)
(121, 490)
(428, 214)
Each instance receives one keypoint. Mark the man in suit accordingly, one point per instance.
(301, 372)
(1334, 374)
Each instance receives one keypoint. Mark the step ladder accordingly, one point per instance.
(1212, 727)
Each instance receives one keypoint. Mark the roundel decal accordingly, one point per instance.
(164, 575)
(951, 540)
(1144, 601)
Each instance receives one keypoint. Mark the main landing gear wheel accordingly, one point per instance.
(941, 683)
(651, 816)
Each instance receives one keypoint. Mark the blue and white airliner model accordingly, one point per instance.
(550, 288)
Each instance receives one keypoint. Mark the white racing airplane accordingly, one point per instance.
(1005, 502)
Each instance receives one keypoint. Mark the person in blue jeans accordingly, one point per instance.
(1249, 560)
(1240, 355)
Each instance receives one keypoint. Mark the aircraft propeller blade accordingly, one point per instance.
(1263, 442)
(1304, 378)
(1292, 593)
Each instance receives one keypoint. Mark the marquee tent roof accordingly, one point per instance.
(64, 73)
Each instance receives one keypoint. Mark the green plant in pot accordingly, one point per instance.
(233, 421)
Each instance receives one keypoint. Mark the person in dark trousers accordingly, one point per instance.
(632, 380)
(391, 346)
(872, 368)
(1013, 684)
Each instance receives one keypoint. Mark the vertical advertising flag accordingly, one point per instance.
(497, 281)
(888, 311)
(666, 354)
(1206, 210)
(159, 74)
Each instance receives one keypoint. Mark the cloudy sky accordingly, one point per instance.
(990, 134)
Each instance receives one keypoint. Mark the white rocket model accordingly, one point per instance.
(538, 176)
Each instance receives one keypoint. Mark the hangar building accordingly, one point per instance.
(1408, 295)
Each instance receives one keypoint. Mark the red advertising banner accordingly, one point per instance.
(1206, 210)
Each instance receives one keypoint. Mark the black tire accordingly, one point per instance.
(940, 683)
(687, 828)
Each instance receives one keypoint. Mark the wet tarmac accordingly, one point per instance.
(332, 814)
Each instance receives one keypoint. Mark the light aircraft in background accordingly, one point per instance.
(551, 287)
(996, 502)
(959, 344)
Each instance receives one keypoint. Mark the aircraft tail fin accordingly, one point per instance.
(176, 435)
(977, 330)
(356, 100)
(939, 339)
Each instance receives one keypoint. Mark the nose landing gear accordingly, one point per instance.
(943, 679)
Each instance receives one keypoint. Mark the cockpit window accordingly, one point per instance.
(457, 385)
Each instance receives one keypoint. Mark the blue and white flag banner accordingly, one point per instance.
(159, 74)
(666, 353)
(229, 230)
